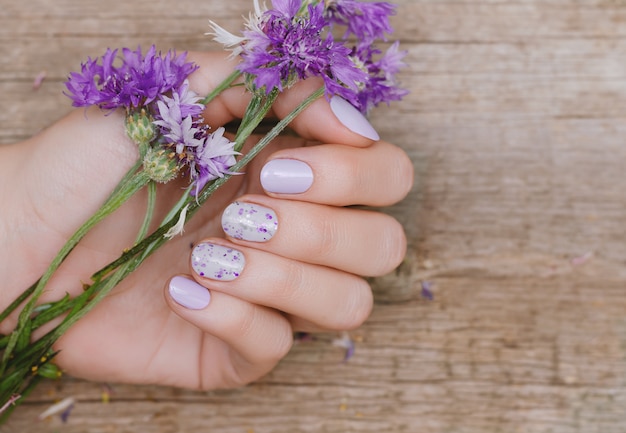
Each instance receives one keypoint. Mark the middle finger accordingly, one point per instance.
(357, 241)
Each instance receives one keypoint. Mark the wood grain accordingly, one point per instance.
(516, 125)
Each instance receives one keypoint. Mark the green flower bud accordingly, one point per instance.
(140, 129)
(48, 370)
(161, 165)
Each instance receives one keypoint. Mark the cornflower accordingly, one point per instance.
(138, 81)
(292, 46)
(294, 40)
(366, 21)
(381, 85)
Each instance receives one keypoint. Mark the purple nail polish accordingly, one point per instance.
(217, 262)
(286, 176)
(249, 222)
(188, 293)
(352, 118)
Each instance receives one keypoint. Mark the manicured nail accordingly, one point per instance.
(286, 176)
(352, 118)
(249, 222)
(188, 293)
(217, 262)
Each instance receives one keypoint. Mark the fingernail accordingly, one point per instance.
(217, 262)
(286, 176)
(249, 222)
(352, 118)
(188, 293)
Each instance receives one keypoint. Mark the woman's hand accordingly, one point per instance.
(231, 303)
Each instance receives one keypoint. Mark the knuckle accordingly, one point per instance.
(242, 322)
(291, 279)
(282, 343)
(278, 344)
(327, 239)
(393, 245)
(358, 306)
(398, 180)
(347, 179)
(405, 174)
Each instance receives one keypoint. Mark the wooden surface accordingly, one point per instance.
(516, 123)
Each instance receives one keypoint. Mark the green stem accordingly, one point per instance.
(149, 211)
(122, 194)
(222, 86)
(107, 286)
(195, 202)
(17, 302)
(260, 106)
(107, 278)
(25, 294)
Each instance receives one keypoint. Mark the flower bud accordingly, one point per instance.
(140, 128)
(49, 370)
(160, 165)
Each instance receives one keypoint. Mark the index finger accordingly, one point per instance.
(335, 121)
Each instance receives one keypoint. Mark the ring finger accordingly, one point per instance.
(329, 298)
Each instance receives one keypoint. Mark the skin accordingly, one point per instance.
(306, 278)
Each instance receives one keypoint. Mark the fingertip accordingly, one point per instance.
(286, 176)
(352, 118)
(187, 293)
(335, 121)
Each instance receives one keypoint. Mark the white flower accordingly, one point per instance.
(236, 43)
(178, 228)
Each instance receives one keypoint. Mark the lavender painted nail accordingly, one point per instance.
(249, 222)
(352, 118)
(188, 293)
(217, 262)
(286, 176)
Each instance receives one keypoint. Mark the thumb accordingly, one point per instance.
(336, 122)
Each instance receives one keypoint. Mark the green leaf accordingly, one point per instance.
(23, 339)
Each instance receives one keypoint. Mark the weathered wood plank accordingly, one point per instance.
(516, 127)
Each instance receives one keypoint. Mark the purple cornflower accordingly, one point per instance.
(136, 82)
(287, 45)
(293, 41)
(366, 21)
(381, 84)
(208, 156)
(213, 159)
(179, 119)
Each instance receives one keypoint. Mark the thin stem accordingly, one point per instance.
(262, 107)
(17, 302)
(194, 203)
(25, 294)
(149, 211)
(105, 280)
(222, 86)
(108, 285)
(133, 185)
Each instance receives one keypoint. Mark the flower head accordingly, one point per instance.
(366, 21)
(381, 85)
(235, 43)
(178, 117)
(134, 83)
(294, 40)
(213, 159)
(293, 45)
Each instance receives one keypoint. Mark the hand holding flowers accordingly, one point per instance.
(132, 334)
